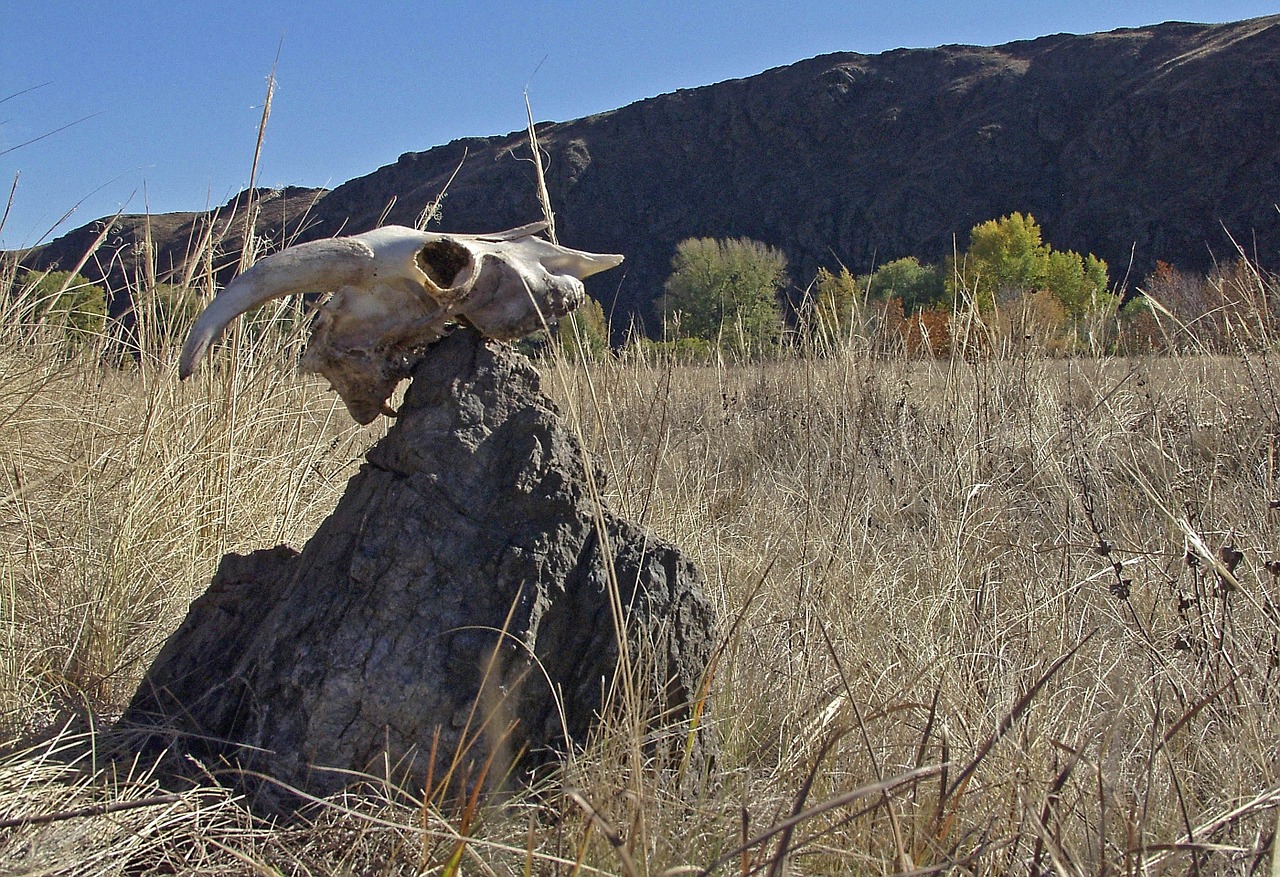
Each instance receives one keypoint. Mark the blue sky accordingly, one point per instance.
(162, 99)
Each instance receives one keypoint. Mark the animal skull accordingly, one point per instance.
(394, 289)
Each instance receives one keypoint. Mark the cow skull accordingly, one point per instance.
(394, 291)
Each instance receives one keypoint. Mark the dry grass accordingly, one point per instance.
(1009, 615)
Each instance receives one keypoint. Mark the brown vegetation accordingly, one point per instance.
(993, 611)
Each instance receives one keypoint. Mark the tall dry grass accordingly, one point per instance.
(997, 614)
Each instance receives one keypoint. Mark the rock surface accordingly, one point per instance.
(1150, 143)
(473, 516)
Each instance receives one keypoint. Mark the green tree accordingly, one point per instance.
(69, 302)
(917, 285)
(591, 338)
(1004, 254)
(835, 305)
(726, 292)
(168, 310)
(1009, 255)
(1078, 283)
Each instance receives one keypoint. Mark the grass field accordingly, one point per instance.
(1009, 614)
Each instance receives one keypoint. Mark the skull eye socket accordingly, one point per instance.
(442, 261)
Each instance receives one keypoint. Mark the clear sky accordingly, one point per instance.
(155, 106)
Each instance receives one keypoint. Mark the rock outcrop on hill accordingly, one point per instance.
(1138, 145)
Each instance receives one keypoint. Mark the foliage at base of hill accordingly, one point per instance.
(67, 301)
(1008, 257)
(1009, 284)
(725, 292)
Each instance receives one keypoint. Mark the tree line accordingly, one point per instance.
(728, 293)
(1010, 287)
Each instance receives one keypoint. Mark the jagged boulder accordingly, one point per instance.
(457, 598)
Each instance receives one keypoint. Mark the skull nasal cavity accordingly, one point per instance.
(442, 260)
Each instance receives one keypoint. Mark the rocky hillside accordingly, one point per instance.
(178, 247)
(1139, 144)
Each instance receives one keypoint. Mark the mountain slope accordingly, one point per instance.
(1143, 143)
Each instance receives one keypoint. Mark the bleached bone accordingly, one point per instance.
(394, 290)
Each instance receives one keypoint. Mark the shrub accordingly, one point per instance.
(726, 292)
(1190, 311)
(833, 312)
(1140, 331)
(1034, 320)
(916, 284)
(1008, 256)
(585, 335)
(928, 332)
(68, 302)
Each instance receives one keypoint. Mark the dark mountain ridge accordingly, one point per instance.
(187, 247)
(1137, 144)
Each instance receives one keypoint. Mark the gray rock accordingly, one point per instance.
(473, 516)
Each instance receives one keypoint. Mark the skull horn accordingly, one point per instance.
(319, 266)
(395, 289)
